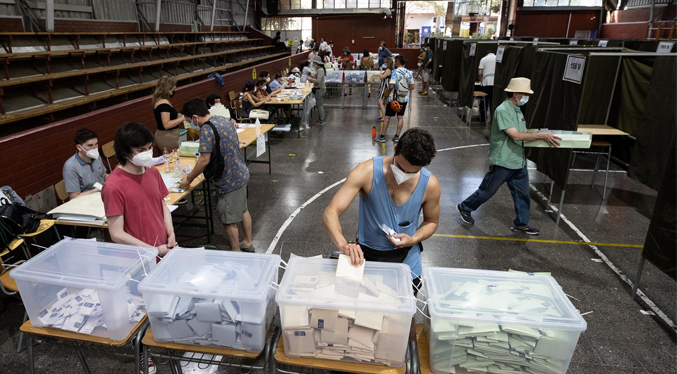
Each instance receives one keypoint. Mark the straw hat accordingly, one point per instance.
(520, 85)
(295, 70)
(317, 60)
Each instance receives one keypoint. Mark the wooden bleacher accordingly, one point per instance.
(43, 73)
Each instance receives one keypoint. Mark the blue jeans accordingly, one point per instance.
(518, 183)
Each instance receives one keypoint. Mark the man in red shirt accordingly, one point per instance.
(133, 195)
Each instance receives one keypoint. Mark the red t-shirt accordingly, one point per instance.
(140, 199)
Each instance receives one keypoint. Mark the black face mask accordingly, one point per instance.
(172, 95)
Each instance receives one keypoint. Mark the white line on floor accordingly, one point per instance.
(608, 262)
(599, 253)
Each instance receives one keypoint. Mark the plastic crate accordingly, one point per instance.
(498, 322)
(326, 317)
(212, 298)
(86, 286)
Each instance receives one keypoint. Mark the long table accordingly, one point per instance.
(306, 90)
(249, 135)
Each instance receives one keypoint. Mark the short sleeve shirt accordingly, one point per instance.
(398, 75)
(503, 151)
(235, 172)
(140, 200)
(488, 66)
(274, 84)
(80, 176)
(428, 57)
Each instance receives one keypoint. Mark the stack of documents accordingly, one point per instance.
(87, 208)
(81, 311)
(349, 314)
(499, 323)
(189, 149)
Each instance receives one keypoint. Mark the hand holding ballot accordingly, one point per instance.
(355, 252)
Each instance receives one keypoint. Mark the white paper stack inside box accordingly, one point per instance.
(569, 139)
(84, 286)
(334, 76)
(355, 76)
(499, 322)
(212, 298)
(332, 318)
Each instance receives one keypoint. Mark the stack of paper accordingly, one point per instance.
(569, 139)
(351, 334)
(222, 322)
(81, 311)
(85, 208)
(499, 347)
(189, 149)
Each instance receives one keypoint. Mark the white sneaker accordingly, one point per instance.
(307, 127)
(151, 365)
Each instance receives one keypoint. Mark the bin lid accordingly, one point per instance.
(500, 297)
(216, 274)
(312, 282)
(86, 263)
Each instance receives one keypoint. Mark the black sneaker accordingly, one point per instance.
(526, 229)
(396, 138)
(380, 139)
(465, 215)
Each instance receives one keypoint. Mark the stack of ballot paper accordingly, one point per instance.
(499, 322)
(569, 139)
(335, 311)
(88, 208)
(189, 149)
(85, 286)
(212, 298)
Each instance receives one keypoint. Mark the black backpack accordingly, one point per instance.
(16, 220)
(214, 169)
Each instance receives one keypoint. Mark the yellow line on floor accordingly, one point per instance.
(537, 240)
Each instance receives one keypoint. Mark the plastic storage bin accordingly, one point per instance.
(334, 76)
(374, 76)
(354, 76)
(84, 286)
(499, 322)
(213, 298)
(326, 317)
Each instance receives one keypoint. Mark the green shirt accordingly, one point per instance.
(503, 151)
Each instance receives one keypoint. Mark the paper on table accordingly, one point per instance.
(345, 269)
(239, 130)
(172, 208)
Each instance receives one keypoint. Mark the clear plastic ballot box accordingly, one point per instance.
(86, 286)
(334, 76)
(499, 322)
(332, 318)
(355, 76)
(212, 298)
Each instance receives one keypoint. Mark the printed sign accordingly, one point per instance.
(573, 42)
(260, 145)
(473, 48)
(499, 53)
(254, 73)
(574, 69)
(664, 47)
(602, 43)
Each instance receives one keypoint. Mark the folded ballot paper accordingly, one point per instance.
(570, 139)
(81, 311)
(212, 298)
(336, 311)
(498, 322)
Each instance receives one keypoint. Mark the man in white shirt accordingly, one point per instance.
(485, 73)
(323, 45)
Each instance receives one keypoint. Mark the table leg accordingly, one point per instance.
(606, 176)
(29, 353)
(552, 185)
(342, 97)
(561, 202)
(270, 167)
(145, 360)
(81, 356)
(639, 276)
(21, 334)
(364, 97)
(594, 172)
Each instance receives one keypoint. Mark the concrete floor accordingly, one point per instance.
(623, 335)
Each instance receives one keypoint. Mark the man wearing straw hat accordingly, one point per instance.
(507, 163)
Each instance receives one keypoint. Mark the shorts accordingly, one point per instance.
(391, 113)
(426, 75)
(232, 206)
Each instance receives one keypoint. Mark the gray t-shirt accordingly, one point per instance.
(80, 176)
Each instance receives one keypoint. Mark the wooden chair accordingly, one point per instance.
(61, 193)
(193, 134)
(8, 286)
(108, 150)
(232, 97)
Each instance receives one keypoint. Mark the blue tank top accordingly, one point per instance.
(378, 208)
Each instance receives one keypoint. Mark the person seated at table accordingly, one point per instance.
(306, 70)
(261, 94)
(84, 169)
(216, 108)
(133, 196)
(278, 82)
(231, 185)
(269, 90)
(250, 100)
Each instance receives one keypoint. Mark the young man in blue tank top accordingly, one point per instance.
(393, 191)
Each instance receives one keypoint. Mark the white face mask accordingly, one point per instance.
(93, 153)
(144, 159)
(267, 79)
(265, 87)
(400, 176)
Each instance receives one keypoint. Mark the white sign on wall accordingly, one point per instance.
(499, 53)
(664, 47)
(573, 72)
(573, 42)
(473, 48)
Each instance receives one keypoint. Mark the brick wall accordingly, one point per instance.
(343, 29)
(11, 24)
(625, 31)
(553, 24)
(168, 27)
(32, 160)
(634, 23)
